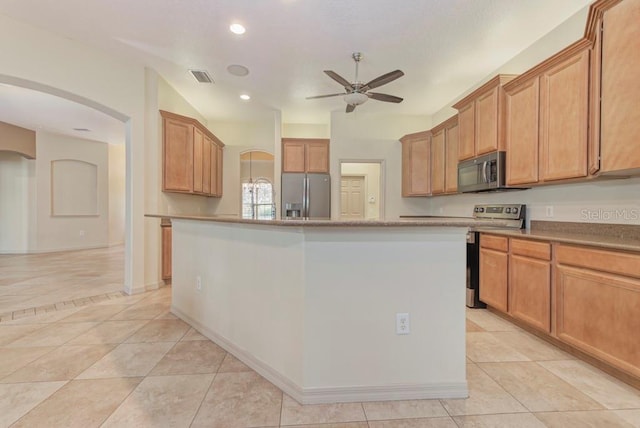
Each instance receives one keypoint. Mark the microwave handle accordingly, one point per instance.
(485, 179)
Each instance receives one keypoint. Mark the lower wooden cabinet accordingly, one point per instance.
(494, 277)
(585, 297)
(530, 283)
(598, 304)
(165, 226)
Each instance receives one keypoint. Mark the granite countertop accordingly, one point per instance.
(406, 222)
(611, 236)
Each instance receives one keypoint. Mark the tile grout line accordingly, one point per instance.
(65, 304)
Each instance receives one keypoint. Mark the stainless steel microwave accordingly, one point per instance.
(482, 174)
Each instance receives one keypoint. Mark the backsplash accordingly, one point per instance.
(605, 201)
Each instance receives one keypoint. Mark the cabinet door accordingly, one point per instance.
(451, 160)
(466, 131)
(419, 167)
(219, 169)
(437, 162)
(206, 166)
(293, 156)
(317, 156)
(620, 108)
(487, 122)
(522, 133)
(166, 252)
(198, 147)
(564, 104)
(597, 312)
(216, 170)
(178, 156)
(493, 278)
(530, 291)
(406, 168)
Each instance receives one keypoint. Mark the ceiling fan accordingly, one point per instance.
(357, 93)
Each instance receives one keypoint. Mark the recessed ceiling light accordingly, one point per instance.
(238, 70)
(237, 28)
(245, 97)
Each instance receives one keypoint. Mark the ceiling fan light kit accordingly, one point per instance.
(355, 98)
(356, 93)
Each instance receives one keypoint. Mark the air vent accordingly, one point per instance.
(201, 76)
(82, 129)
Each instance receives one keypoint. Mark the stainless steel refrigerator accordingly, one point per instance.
(306, 196)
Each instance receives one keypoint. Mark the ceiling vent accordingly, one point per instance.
(201, 76)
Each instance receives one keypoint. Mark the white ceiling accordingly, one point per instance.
(444, 47)
(39, 111)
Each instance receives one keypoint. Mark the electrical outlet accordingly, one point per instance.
(402, 323)
(198, 283)
(549, 211)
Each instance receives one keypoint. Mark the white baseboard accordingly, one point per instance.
(326, 394)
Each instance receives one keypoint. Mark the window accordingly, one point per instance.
(257, 200)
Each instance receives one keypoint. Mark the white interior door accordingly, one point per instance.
(352, 197)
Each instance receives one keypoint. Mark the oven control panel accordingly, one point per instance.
(500, 211)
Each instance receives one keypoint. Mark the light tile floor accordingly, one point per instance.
(128, 362)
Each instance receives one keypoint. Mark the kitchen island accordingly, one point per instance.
(312, 305)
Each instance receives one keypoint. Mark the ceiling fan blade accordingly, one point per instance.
(325, 96)
(341, 80)
(384, 97)
(383, 80)
(350, 108)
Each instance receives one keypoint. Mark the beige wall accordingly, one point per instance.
(16, 139)
(305, 130)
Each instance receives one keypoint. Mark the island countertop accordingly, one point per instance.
(404, 222)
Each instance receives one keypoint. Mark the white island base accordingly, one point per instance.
(313, 309)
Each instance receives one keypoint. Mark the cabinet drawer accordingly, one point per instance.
(499, 243)
(617, 262)
(533, 249)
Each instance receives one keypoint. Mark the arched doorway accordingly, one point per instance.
(125, 122)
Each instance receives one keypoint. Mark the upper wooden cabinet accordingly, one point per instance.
(481, 119)
(613, 26)
(192, 157)
(177, 173)
(547, 114)
(438, 156)
(444, 157)
(416, 164)
(305, 155)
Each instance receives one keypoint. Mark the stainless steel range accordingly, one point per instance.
(514, 218)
